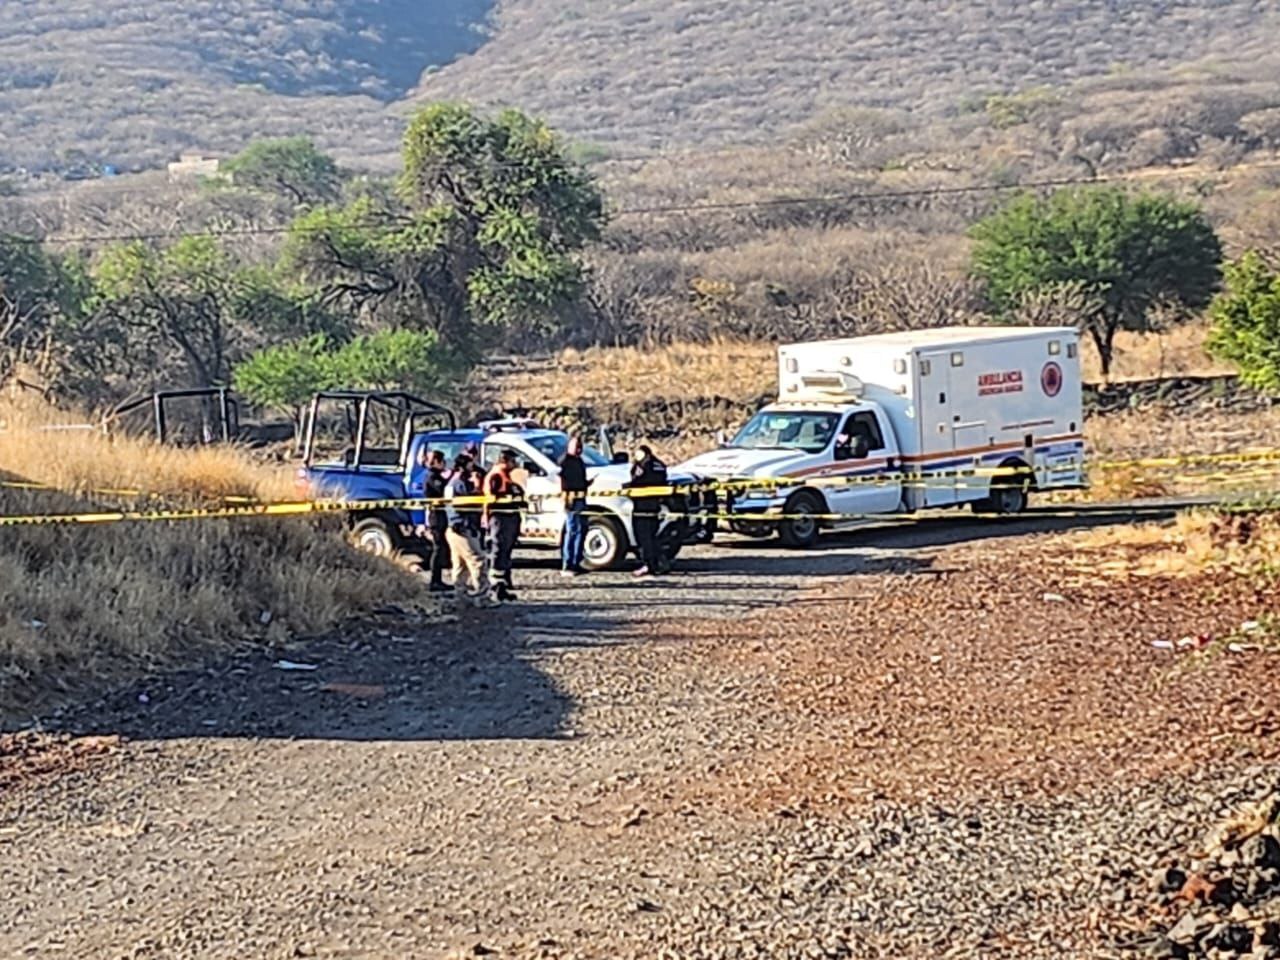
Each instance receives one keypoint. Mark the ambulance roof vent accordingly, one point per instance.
(831, 384)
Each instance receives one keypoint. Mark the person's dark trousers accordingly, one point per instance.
(575, 536)
(504, 531)
(646, 530)
(439, 557)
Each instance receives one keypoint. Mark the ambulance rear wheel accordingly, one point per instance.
(1009, 494)
(799, 529)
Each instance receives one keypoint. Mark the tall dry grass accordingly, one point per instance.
(85, 605)
(35, 445)
(744, 370)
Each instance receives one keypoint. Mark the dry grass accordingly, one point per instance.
(80, 462)
(1197, 542)
(744, 370)
(82, 606)
(1176, 353)
(724, 368)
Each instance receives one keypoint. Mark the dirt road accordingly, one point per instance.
(759, 756)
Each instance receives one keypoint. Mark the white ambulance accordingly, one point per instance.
(899, 422)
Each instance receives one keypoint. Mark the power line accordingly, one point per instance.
(937, 191)
(689, 208)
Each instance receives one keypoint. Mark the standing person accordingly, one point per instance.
(434, 488)
(504, 499)
(573, 488)
(470, 577)
(646, 471)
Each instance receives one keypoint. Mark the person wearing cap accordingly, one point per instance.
(470, 572)
(647, 472)
(573, 489)
(504, 501)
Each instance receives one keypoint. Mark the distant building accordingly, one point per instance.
(192, 166)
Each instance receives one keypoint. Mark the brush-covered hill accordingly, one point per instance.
(131, 84)
(653, 72)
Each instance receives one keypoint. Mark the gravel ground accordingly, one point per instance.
(710, 764)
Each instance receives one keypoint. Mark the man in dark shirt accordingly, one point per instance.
(573, 488)
(437, 518)
(647, 472)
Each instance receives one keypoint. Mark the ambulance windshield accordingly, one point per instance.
(790, 430)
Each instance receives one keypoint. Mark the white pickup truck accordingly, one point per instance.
(895, 423)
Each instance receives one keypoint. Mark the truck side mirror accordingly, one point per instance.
(622, 457)
(860, 447)
(721, 440)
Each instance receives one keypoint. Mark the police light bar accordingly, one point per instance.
(513, 423)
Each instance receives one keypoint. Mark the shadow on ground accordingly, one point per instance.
(935, 531)
(401, 678)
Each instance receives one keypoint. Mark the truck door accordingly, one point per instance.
(544, 514)
(867, 447)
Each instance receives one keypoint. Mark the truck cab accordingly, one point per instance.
(788, 461)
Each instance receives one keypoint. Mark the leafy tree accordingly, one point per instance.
(1246, 322)
(37, 293)
(483, 235)
(409, 359)
(285, 377)
(1129, 255)
(292, 168)
(194, 303)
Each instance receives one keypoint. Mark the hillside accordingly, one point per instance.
(131, 85)
(654, 72)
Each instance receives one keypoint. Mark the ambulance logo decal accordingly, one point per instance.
(1051, 379)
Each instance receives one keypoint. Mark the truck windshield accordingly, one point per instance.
(553, 447)
(788, 430)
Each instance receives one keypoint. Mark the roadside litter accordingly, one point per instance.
(290, 665)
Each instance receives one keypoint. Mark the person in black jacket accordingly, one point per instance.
(646, 471)
(434, 488)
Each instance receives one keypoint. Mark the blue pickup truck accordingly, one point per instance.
(388, 430)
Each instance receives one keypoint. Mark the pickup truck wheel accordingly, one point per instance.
(374, 536)
(605, 545)
(801, 526)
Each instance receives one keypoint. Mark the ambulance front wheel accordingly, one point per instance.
(800, 526)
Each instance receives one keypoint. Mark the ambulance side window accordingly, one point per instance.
(866, 425)
(864, 436)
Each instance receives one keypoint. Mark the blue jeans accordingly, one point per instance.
(575, 535)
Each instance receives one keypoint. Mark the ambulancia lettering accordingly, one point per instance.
(1008, 381)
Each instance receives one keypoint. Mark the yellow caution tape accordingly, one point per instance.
(952, 479)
